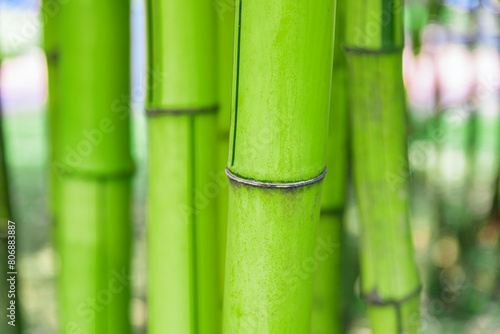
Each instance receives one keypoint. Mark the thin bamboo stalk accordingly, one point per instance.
(225, 28)
(94, 167)
(5, 205)
(389, 278)
(182, 101)
(5, 215)
(281, 88)
(327, 295)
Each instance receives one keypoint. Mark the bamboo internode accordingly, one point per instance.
(93, 166)
(181, 106)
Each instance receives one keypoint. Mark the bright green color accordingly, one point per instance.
(182, 254)
(225, 29)
(93, 167)
(281, 88)
(93, 235)
(287, 76)
(327, 298)
(94, 85)
(388, 270)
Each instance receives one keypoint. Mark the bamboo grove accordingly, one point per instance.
(282, 187)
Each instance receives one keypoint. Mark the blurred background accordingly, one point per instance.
(452, 76)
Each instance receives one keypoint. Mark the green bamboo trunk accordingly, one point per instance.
(277, 150)
(225, 28)
(389, 278)
(182, 103)
(327, 295)
(94, 167)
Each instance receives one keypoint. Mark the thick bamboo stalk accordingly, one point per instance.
(389, 278)
(225, 28)
(281, 87)
(327, 294)
(94, 167)
(181, 209)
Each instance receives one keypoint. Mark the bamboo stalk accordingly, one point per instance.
(389, 277)
(5, 205)
(281, 87)
(327, 295)
(94, 167)
(225, 29)
(5, 215)
(181, 209)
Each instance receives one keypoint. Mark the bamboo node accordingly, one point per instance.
(264, 184)
(180, 111)
(350, 49)
(374, 298)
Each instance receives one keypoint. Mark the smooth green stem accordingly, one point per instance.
(327, 295)
(225, 28)
(182, 104)
(5, 205)
(281, 88)
(390, 282)
(93, 166)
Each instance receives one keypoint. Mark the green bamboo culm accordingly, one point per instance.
(181, 107)
(327, 295)
(225, 33)
(94, 167)
(277, 149)
(390, 282)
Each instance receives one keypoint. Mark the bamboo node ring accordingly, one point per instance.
(264, 184)
(355, 50)
(180, 111)
(374, 298)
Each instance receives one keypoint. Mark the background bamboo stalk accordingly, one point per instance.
(182, 101)
(281, 87)
(94, 167)
(389, 276)
(5, 215)
(327, 295)
(225, 29)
